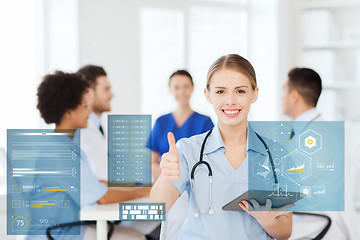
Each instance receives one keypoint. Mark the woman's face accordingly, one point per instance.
(80, 115)
(181, 89)
(231, 95)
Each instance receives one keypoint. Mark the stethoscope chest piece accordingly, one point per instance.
(209, 211)
(198, 215)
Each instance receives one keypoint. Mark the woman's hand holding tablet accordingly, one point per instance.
(265, 214)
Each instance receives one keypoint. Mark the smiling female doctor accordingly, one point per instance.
(231, 88)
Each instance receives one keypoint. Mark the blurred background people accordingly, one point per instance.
(183, 121)
(301, 93)
(93, 138)
(63, 100)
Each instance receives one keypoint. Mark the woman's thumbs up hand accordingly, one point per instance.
(169, 164)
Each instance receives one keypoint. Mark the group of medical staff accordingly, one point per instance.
(176, 140)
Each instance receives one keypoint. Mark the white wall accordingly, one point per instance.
(109, 36)
(263, 54)
(286, 44)
(17, 66)
(60, 35)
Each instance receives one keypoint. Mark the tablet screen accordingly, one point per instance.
(278, 200)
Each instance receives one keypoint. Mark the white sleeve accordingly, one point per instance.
(91, 189)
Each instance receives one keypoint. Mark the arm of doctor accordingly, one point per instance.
(274, 221)
(163, 190)
(114, 195)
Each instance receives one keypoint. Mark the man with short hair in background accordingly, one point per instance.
(300, 97)
(93, 138)
(301, 94)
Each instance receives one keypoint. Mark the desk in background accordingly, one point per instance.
(101, 213)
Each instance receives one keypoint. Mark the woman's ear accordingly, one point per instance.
(256, 93)
(207, 95)
(67, 115)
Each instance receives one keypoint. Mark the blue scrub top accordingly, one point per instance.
(195, 124)
(228, 183)
(91, 190)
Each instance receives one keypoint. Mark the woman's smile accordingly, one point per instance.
(231, 113)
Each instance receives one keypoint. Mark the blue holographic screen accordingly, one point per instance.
(308, 158)
(129, 161)
(43, 181)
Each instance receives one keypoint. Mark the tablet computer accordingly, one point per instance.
(278, 199)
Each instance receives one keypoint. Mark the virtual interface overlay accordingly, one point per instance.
(142, 211)
(129, 160)
(307, 158)
(43, 181)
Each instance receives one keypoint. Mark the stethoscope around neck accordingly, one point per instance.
(209, 211)
(201, 161)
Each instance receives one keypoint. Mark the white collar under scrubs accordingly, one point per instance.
(228, 183)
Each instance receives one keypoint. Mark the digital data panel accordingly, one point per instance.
(129, 163)
(307, 158)
(142, 211)
(43, 181)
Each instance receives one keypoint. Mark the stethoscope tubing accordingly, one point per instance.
(201, 161)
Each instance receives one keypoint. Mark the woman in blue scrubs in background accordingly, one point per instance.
(231, 88)
(184, 122)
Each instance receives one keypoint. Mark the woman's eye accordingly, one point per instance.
(241, 91)
(220, 92)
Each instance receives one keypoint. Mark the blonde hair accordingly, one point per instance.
(233, 62)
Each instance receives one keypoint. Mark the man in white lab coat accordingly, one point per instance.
(93, 138)
(301, 93)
